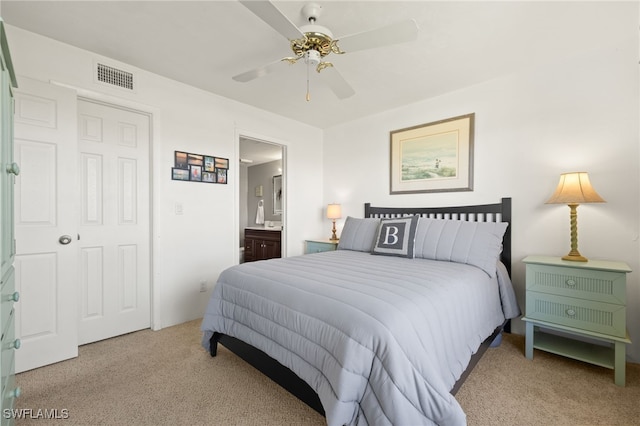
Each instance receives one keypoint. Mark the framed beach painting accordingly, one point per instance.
(433, 157)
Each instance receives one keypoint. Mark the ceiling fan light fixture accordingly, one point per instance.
(312, 58)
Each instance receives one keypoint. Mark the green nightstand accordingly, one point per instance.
(585, 299)
(317, 246)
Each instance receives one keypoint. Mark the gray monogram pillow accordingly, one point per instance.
(395, 237)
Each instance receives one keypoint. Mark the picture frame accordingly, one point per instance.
(178, 173)
(433, 157)
(221, 175)
(180, 160)
(195, 173)
(209, 164)
(195, 160)
(222, 163)
(209, 177)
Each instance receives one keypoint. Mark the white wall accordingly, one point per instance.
(577, 115)
(203, 241)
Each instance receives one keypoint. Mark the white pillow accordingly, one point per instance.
(473, 243)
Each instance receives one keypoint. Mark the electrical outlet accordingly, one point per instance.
(203, 286)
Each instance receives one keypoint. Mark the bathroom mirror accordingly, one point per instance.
(277, 194)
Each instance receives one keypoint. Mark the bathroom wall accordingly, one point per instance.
(261, 174)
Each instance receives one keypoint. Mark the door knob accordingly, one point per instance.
(64, 240)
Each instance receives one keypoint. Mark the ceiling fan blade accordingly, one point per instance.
(337, 83)
(399, 32)
(259, 72)
(270, 14)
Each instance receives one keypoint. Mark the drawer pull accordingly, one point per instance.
(13, 168)
(15, 393)
(16, 344)
(14, 297)
(570, 282)
(570, 312)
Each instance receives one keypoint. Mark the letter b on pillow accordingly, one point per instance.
(395, 237)
(391, 235)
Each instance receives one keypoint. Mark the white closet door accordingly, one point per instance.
(114, 229)
(46, 224)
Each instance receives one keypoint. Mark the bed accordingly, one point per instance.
(383, 330)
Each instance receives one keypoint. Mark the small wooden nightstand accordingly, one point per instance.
(586, 299)
(317, 246)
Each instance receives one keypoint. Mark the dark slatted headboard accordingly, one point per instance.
(499, 212)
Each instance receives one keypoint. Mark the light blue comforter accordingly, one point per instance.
(382, 340)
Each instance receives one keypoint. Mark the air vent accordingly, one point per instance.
(115, 77)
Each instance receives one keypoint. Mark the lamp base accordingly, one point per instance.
(575, 257)
(334, 237)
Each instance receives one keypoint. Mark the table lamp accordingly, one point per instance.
(334, 212)
(574, 189)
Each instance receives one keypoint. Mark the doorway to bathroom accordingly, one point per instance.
(261, 199)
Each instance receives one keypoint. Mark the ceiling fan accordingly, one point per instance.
(313, 42)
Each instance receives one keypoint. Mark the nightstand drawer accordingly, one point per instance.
(602, 286)
(587, 315)
(320, 246)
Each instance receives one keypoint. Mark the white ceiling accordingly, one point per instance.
(205, 43)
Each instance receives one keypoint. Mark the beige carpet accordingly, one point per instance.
(166, 378)
(505, 388)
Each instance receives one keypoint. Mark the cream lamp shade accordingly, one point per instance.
(334, 212)
(574, 189)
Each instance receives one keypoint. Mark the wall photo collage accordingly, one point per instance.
(199, 168)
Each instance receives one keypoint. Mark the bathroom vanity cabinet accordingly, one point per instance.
(261, 244)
